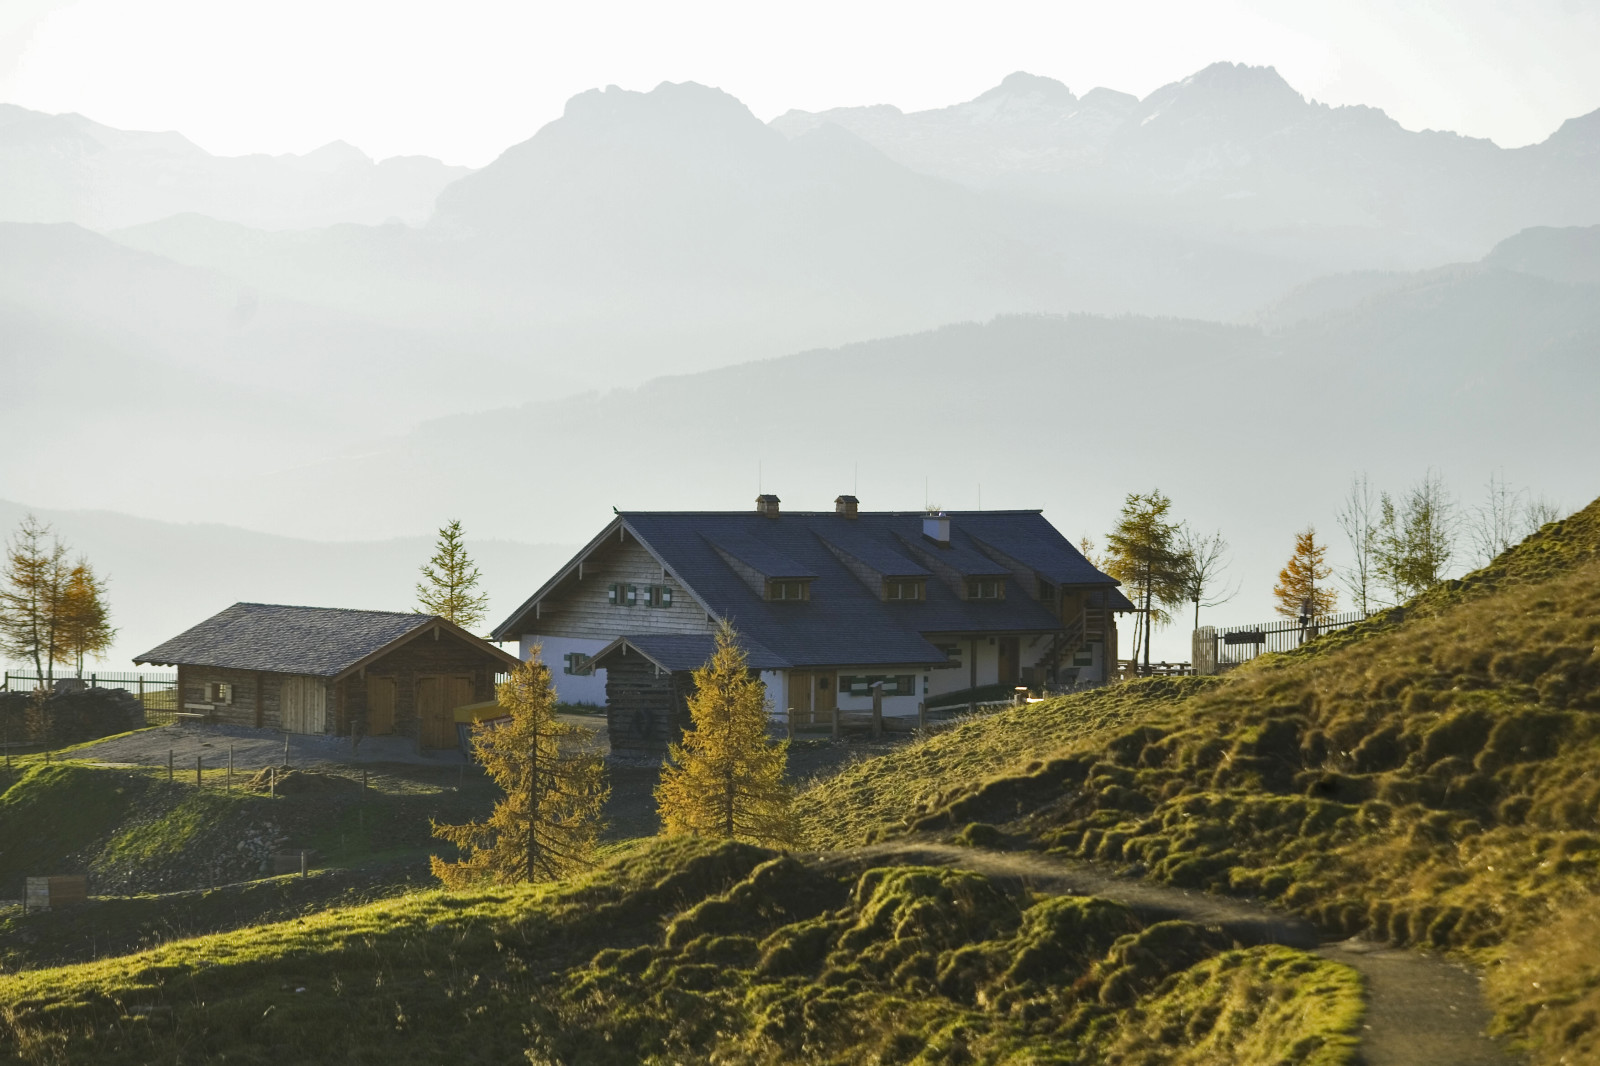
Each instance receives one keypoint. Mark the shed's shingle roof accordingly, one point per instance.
(322, 641)
(845, 622)
(688, 651)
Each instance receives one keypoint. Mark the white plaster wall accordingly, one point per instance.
(777, 683)
(570, 688)
(893, 706)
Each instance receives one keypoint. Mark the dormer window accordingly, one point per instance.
(1047, 592)
(788, 590)
(986, 588)
(897, 589)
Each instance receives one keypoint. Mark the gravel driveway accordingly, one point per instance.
(254, 749)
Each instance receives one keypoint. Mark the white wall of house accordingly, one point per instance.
(942, 681)
(570, 688)
(894, 706)
(777, 682)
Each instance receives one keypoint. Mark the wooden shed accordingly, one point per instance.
(334, 671)
(649, 680)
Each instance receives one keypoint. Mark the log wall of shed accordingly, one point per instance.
(421, 656)
(646, 708)
(256, 695)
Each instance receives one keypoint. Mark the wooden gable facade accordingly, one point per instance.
(401, 675)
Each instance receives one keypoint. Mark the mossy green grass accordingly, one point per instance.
(685, 951)
(1426, 778)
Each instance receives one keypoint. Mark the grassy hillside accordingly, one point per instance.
(134, 832)
(1428, 778)
(693, 952)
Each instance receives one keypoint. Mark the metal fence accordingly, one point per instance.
(1215, 650)
(157, 692)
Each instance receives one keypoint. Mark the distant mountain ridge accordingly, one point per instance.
(1236, 146)
(67, 168)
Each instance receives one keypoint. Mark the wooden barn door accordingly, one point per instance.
(1010, 648)
(437, 699)
(380, 706)
(305, 705)
(801, 689)
(827, 697)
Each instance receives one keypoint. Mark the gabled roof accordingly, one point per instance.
(845, 622)
(685, 651)
(319, 641)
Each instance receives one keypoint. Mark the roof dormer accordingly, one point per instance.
(770, 573)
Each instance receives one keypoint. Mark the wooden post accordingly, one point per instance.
(835, 719)
(169, 766)
(197, 780)
(922, 717)
(286, 751)
(272, 782)
(302, 862)
(972, 674)
(230, 768)
(790, 718)
(877, 709)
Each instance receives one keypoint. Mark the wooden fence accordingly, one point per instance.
(1217, 649)
(157, 692)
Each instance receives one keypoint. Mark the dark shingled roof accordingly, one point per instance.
(759, 556)
(845, 622)
(321, 641)
(687, 651)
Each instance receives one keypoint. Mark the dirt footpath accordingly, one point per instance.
(1422, 1010)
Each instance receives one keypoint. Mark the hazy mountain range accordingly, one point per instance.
(166, 576)
(1235, 150)
(1223, 289)
(67, 168)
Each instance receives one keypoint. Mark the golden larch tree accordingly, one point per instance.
(548, 822)
(1142, 552)
(85, 618)
(1299, 582)
(725, 778)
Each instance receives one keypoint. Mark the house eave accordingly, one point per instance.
(516, 625)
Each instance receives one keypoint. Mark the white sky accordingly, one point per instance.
(463, 80)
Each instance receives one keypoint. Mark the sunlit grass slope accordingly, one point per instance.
(690, 952)
(1429, 778)
(876, 796)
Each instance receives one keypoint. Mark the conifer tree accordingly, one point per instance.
(1415, 538)
(1298, 582)
(725, 778)
(450, 580)
(32, 593)
(555, 793)
(1144, 555)
(85, 619)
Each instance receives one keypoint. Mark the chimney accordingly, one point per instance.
(767, 504)
(845, 506)
(936, 527)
